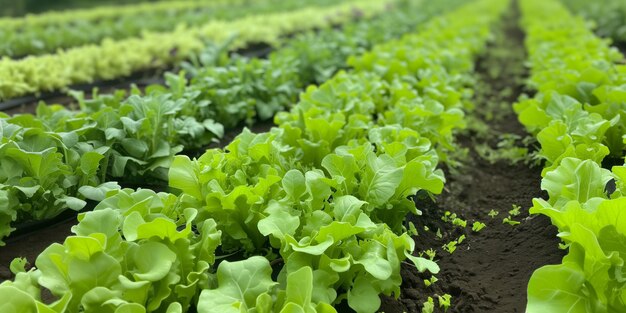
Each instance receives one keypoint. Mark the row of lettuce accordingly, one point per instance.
(608, 16)
(319, 200)
(579, 118)
(36, 35)
(114, 59)
(95, 14)
(54, 160)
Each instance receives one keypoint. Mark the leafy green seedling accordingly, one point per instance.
(493, 213)
(454, 219)
(459, 222)
(431, 254)
(430, 281)
(478, 226)
(461, 239)
(445, 301)
(429, 306)
(450, 246)
(515, 211)
(510, 221)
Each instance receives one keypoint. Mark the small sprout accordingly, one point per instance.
(439, 235)
(450, 246)
(412, 230)
(445, 301)
(431, 254)
(493, 213)
(449, 217)
(426, 228)
(459, 222)
(461, 239)
(510, 221)
(429, 306)
(430, 281)
(478, 226)
(515, 211)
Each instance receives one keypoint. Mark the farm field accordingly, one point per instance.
(314, 156)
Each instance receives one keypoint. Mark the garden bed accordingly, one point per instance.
(490, 269)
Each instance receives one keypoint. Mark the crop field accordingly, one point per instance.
(233, 156)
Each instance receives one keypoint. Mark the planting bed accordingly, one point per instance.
(489, 270)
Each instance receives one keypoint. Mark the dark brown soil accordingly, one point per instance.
(29, 246)
(489, 271)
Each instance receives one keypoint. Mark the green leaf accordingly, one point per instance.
(348, 209)
(239, 285)
(294, 184)
(279, 222)
(90, 162)
(423, 264)
(380, 180)
(98, 193)
(363, 297)
(15, 300)
(338, 231)
(299, 288)
(558, 288)
(153, 260)
(576, 180)
(374, 260)
(183, 176)
(342, 168)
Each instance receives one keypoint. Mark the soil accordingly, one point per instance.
(490, 269)
(29, 246)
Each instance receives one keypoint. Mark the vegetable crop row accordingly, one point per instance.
(104, 12)
(115, 137)
(322, 197)
(113, 59)
(609, 16)
(32, 38)
(578, 118)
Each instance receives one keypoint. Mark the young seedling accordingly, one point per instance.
(510, 221)
(478, 226)
(454, 219)
(431, 254)
(430, 281)
(450, 246)
(445, 301)
(429, 306)
(515, 211)
(493, 213)
(461, 239)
